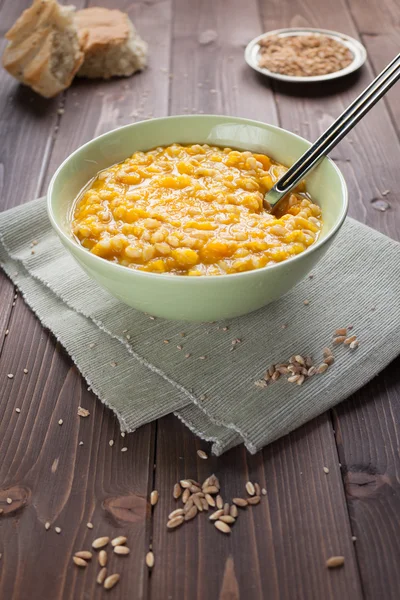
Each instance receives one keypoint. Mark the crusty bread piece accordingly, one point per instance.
(110, 42)
(43, 50)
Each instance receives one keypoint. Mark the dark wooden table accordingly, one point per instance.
(278, 550)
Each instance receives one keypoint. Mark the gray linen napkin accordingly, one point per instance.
(124, 356)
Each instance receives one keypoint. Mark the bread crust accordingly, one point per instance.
(43, 50)
(110, 42)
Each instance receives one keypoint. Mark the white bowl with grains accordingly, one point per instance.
(305, 54)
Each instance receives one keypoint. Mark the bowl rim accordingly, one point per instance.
(178, 278)
(358, 50)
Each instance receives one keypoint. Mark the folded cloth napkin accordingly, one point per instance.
(144, 367)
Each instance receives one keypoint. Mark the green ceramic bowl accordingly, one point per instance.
(206, 298)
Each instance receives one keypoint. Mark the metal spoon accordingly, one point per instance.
(328, 140)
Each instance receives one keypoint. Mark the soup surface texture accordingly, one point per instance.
(192, 210)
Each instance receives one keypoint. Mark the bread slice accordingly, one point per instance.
(110, 42)
(43, 50)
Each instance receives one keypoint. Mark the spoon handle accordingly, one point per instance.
(339, 128)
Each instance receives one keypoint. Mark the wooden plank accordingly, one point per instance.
(258, 560)
(43, 467)
(378, 24)
(367, 173)
(368, 442)
(50, 477)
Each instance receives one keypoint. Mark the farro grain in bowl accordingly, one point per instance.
(305, 54)
(203, 254)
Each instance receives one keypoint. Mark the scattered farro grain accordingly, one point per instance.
(226, 508)
(223, 527)
(111, 581)
(9, 500)
(191, 513)
(175, 513)
(25, 371)
(121, 550)
(216, 515)
(261, 383)
(197, 501)
(194, 489)
(60, 421)
(240, 502)
(329, 360)
(326, 470)
(123, 434)
(18, 410)
(293, 378)
(80, 444)
(254, 500)
(10, 376)
(154, 497)
(311, 371)
(100, 542)
(85, 554)
(186, 496)
(188, 355)
(202, 357)
(264, 492)
(322, 368)
(57, 529)
(353, 345)
(250, 488)
(219, 501)
(210, 500)
(339, 339)
(211, 489)
(177, 491)
(111, 443)
(119, 541)
(327, 352)
(79, 561)
(102, 558)
(150, 560)
(335, 561)
(47, 525)
(89, 525)
(342, 331)
(101, 576)
(308, 361)
(175, 522)
(300, 380)
(349, 340)
(6, 332)
(227, 519)
(205, 504)
(185, 483)
(179, 347)
(83, 412)
(233, 511)
(275, 376)
(124, 449)
(202, 454)
(299, 359)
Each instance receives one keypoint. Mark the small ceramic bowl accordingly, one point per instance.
(206, 298)
(251, 54)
